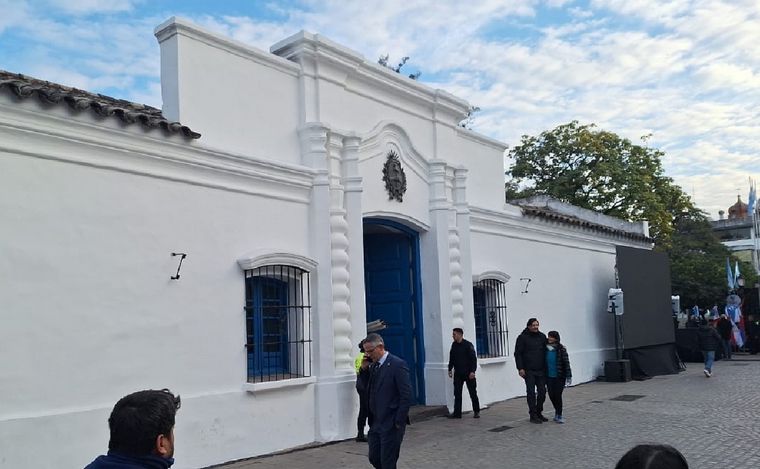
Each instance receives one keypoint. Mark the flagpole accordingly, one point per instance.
(755, 226)
(754, 231)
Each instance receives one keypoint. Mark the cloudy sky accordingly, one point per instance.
(685, 71)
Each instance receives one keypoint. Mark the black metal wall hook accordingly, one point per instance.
(527, 282)
(176, 277)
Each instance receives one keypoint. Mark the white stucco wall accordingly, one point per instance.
(290, 161)
(244, 100)
(90, 312)
(570, 269)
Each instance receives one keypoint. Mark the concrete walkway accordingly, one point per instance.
(714, 422)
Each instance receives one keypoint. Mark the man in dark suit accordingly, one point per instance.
(390, 395)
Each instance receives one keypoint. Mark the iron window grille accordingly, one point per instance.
(278, 323)
(490, 307)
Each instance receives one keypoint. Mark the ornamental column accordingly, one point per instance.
(437, 294)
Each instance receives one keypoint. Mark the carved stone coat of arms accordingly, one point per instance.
(394, 177)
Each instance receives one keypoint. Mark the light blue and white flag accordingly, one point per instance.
(737, 274)
(738, 336)
(752, 198)
(730, 275)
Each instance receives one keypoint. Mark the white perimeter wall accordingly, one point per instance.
(570, 271)
(89, 313)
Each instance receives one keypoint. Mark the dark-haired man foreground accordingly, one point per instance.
(142, 432)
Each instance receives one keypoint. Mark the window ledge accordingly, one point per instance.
(492, 360)
(281, 384)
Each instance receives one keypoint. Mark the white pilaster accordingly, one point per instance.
(455, 260)
(436, 289)
(332, 389)
(339, 247)
(352, 183)
(314, 153)
(462, 209)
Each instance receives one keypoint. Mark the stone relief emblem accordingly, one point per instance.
(394, 177)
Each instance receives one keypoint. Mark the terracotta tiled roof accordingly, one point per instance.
(551, 215)
(52, 93)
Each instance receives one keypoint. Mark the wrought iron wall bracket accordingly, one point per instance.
(176, 276)
(527, 282)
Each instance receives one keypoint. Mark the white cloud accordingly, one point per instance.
(14, 13)
(686, 71)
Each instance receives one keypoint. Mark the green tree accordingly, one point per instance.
(601, 171)
(698, 262)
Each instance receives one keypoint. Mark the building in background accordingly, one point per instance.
(737, 232)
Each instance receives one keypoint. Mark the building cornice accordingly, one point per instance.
(59, 135)
(516, 225)
(183, 27)
(355, 67)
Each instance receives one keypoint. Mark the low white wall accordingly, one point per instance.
(91, 313)
(570, 271)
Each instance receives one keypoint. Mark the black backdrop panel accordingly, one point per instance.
(645, 280)
(653, 361)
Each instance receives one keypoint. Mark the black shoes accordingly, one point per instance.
(543, 419)
(476, 415)
(361, 438)
(454, 416)
(536, 420)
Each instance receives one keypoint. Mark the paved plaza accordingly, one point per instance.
(714, 422)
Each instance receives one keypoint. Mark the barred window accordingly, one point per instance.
(490, 306)
(278, 323)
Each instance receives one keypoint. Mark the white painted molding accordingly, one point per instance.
(436, 366)
(408, 220)
(281, 384)
(491, 274)
(515, 225)
(258, 259)
(181, 26)
(375, 144)
(482, 139)
(338, 378)
(492, 361)
(27, 128)
(326, 52)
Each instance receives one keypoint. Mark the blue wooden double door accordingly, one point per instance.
(392, 291)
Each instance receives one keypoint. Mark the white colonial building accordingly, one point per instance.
(306, 192)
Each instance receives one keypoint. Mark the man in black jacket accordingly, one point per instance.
(530, 358)
(464, 362)
(726, 331)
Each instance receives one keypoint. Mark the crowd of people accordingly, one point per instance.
(383, 383)
(142, 423)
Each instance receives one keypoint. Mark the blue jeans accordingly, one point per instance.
(726, 348)
(709, 359)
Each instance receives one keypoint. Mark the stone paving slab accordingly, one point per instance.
(714, 422)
